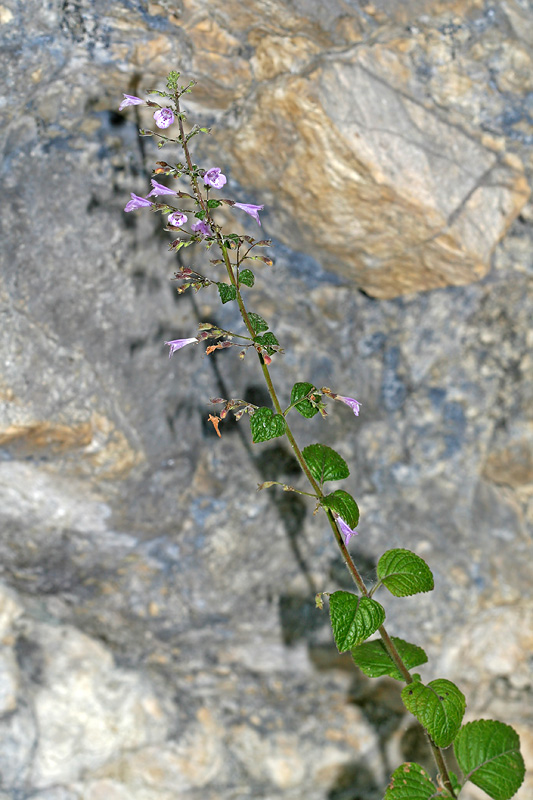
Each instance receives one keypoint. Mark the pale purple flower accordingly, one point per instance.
(201, 227)
(137, 202)
(159, 189)
(345, 529)
(177, 344)
(130, 100)
(355, 405)
(215, 178)
(253, 211)
(164, 117)
(177, 219)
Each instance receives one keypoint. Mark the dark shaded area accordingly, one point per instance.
(355, 782)
(29, 658)
(340, 575)
(299, 618)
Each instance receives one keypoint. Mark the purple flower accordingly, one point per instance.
(164, 117)
(177, 219)
(137, 202)
(201, 227)
(253, 211)
(159, 189)
(214, 177)
(355, 405)
(177, 344)
(346, 530)
(130, 100)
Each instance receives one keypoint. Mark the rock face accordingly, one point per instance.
(158, 636)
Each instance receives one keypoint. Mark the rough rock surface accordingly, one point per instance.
(157, 629)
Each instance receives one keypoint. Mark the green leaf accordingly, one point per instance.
(305, 407)
(213, 203)
(226, 292)
(266, 341)
(266, 425)
(439, 707)
(373, 659)
(353, 618)
(324, 463)
(488, 753)
(344, 504)
(404, 573)
(410, 782)
(231, 241)
(247, 277)
(258, 323)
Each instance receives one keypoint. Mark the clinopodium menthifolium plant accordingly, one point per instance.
(487, 751)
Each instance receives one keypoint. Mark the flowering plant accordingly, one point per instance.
(487, 751)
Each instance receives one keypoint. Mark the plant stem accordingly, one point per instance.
(387, 641)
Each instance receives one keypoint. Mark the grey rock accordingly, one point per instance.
(157, 624)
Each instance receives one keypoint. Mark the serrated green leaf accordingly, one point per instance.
(353, 618)
(257, 322)
(373, 659)
(266, 341)
(304, 407)
(439, 706)
(344, 505)
(488, 753)
(247, 277)
(410, 782)
(226, 292)
(266, 425)
(213, 203)
(324, 463)
(404, 573)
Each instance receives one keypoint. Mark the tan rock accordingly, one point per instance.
(105, 449)
(513, 465)
(275, 55)
(379, 188)
(45, 437)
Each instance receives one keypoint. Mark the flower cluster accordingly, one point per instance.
(212, 177)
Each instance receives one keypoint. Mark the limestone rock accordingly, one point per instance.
(158, 626)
